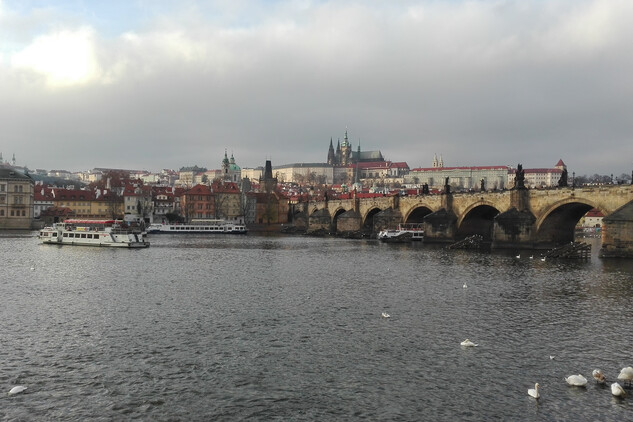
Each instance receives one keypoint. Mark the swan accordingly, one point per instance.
(518, 256)
(576, 380)
(599, 376)
(617, 390)
(543, 259)
(551, 357)
(17, 389)
(626, 375)
(465, 286)
(534, 391)
(386, 315)
(468, 343)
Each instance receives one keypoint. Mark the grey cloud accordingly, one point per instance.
(481, 83)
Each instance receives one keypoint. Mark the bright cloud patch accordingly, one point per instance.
(63, 58)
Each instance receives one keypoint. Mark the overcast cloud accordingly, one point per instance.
(146, 85)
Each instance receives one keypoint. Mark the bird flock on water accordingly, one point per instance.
(625, 377)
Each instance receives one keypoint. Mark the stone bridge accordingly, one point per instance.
(517, 218)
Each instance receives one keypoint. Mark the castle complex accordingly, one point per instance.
(344, 155)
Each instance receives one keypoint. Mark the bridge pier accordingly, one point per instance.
(513, 229)
(349, 221)
(320, 221)
(387, 219)
(440, 227)
(617, 233)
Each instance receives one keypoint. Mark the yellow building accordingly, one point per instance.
(87, 204)
(16, 199)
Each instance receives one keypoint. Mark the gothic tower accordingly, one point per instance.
(331, 158)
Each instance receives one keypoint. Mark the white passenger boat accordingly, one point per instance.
(404, 233)
(109, 233)
(199, 226)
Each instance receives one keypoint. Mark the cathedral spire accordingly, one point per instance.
(331, 158)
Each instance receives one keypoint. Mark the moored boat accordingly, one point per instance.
(109, 233)
(199, 226)
(404, 233)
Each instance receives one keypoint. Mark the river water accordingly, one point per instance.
(290, 328)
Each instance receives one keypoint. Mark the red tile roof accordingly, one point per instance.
(199, 190)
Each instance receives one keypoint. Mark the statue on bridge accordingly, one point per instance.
(425, 189)
(482, 186)
(562, 182)
(519, 181)
(447, 187)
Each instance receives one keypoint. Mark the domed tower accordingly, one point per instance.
(234, 170)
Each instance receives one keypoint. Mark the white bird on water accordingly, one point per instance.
(599, 376)
(17, 389)
(576, 380)
(386, 315)
(518, 256)
(465, 286)
(617, 390)
(534, 391)
(626, 375)
(468, 343)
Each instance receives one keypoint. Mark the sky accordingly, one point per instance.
(154, 84)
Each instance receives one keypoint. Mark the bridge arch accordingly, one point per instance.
(335, 215)
(368, 220)
(417, 214)
(557, 223)
(477, 219)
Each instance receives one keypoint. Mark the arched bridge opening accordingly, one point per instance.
(479, 220)
(335, 219)
(417, 215)
(368, 224)
(559, 225)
